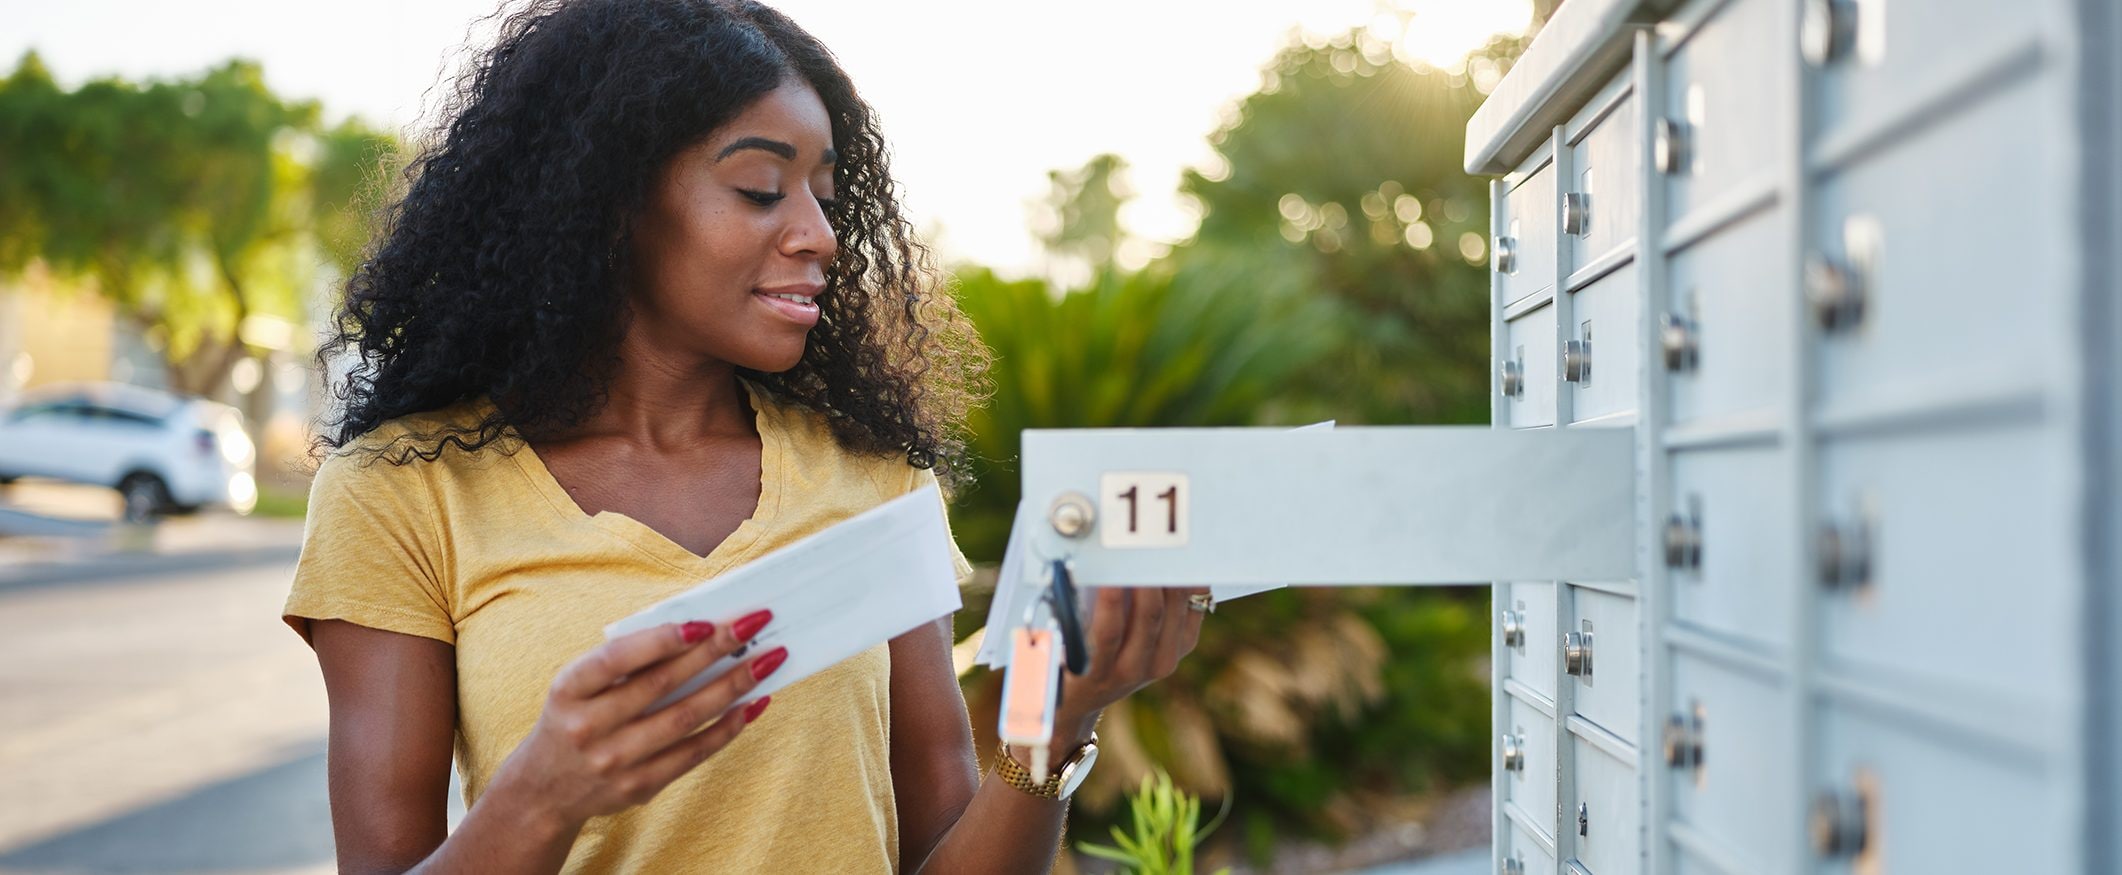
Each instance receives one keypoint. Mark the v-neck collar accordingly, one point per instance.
(733, 549)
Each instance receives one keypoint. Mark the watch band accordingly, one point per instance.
(1016, 775)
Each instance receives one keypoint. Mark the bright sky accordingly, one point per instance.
(980, 98)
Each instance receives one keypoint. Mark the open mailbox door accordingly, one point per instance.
(1333, 507)
(1259, 507)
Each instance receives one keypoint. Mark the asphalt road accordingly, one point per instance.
(160, 722)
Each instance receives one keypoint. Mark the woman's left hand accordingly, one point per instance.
(1137, 636)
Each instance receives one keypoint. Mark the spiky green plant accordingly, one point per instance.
(1166, 830)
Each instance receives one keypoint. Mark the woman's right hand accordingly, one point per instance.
(594, 751)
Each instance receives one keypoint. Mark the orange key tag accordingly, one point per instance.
(1029, 693)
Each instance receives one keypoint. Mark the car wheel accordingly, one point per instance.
(145, 497)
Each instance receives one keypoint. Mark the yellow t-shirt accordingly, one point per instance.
(487, 552)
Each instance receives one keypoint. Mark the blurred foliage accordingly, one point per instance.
(1132, 350)
(192, 204)
(1339, 272)
(348, 183)
(1343, 171)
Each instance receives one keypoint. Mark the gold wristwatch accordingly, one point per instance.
(1065, 778)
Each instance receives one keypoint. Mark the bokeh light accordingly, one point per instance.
(1441, 32)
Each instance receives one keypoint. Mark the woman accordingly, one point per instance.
(649, 310)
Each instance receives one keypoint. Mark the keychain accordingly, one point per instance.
(1031, 690)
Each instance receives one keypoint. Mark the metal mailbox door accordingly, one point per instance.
(1347, 506)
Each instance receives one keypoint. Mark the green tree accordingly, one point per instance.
(191, 204)
(1081, 219)
(27, 114)
(1343, 169)
(351, 176)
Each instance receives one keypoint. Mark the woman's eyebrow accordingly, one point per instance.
(786, 151)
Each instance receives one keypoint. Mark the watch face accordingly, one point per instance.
(1072, 776)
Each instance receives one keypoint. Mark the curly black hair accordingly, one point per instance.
(499, 273)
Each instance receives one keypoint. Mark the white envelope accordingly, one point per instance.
(834, 594)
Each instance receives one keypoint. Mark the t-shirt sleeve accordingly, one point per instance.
(925, 477)
(370, 552)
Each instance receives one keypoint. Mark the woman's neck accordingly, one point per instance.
(657, 400)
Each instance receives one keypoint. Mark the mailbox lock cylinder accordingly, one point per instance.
(1512, 379)
(1576, 360)
(1827, 31)
(1683, 740)
(1577, 653)
(1668, 146)
(1513, 752)
(1576, 214)
(1072, 515)
(1835, 293)
(1513, 624)
(1683, 542)
(1844, 555)
(1836, 289)
(1676, 339)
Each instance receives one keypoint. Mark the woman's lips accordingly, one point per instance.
(805, 314)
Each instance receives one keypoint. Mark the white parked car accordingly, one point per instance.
(164, 453)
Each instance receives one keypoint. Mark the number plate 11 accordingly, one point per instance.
(1143, 509)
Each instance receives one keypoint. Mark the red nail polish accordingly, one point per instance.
(751, 624)
(767, 662)
(696, 631)
(756, 708)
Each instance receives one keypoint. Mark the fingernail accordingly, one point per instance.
(756, 708)
(751, 624)
(696, 631)
(766, 663)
